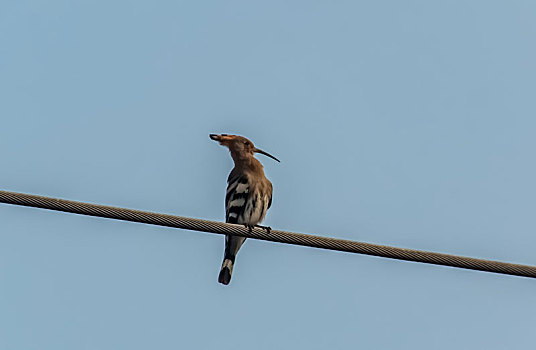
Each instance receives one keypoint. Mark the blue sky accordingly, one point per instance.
(401, 123)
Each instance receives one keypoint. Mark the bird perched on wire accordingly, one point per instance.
(249, 195)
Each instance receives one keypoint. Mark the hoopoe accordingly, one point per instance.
(249, 195)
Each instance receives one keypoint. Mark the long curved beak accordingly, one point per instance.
(266, 154)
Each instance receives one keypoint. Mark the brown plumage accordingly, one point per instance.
(249, 195)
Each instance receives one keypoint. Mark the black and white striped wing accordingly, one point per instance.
(238, 194)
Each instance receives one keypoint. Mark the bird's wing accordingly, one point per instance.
(238, 193)
(269, 195)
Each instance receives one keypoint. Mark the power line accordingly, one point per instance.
(257, 233)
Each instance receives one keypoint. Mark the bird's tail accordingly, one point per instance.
(226, 271)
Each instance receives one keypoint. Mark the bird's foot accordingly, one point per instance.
(250, 227)
(267, 228)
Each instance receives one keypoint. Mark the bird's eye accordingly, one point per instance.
(246, 143)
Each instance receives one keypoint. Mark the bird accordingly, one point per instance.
(249, 195)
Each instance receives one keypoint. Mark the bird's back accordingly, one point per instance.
(248, 197)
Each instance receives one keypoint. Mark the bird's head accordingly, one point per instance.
(239, 146)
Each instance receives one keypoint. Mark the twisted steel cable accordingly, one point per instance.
(257, 233)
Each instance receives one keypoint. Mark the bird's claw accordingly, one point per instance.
(250, 228)
(267, 228)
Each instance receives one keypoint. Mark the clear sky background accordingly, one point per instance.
(406, 123)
